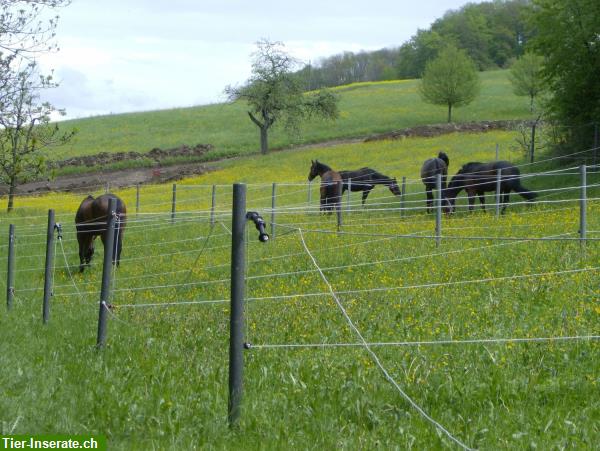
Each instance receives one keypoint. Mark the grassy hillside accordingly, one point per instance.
(365, 108)
(162, 381)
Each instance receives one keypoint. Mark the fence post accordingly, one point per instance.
(49, 264)
(583, 204)
(137, 199)
(107, 187)
(338, 204)
(174, 202)
(236, 322)
(109, 245)
(498, 193)
(10, 277)
(348, 206)
(273, 196)
(213, 198)
(402, 196)
(438, 210)
(595, 158)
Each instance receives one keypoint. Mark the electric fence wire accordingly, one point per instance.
(375, 357)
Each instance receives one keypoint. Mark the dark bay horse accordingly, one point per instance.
(365, 179)
(479, 178)
(429, 171)
(90, 222)
(331, 193)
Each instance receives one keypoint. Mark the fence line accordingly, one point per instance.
(430, 342)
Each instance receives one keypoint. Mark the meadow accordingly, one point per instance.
(161, 383)
(365, 109)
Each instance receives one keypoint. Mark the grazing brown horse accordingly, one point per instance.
(479, 178)
(331, 184)
(429, 171)
(90, 222)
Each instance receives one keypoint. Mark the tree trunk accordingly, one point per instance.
(449, 112)
(11, 194)
(264, 140)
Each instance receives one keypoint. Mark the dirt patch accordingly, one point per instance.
(429, 131)
(123, 178)
(156, 154)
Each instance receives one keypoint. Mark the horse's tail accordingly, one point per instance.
(524, 192)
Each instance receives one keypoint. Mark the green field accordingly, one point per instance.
(161, 383)
(365, 108)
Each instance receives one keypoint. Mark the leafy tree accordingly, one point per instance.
(451, 79)
(274, 95)
(25, 130)
(568, 36)
(414, 54)
(527, 78)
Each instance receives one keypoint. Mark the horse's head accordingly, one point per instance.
(313, 170)
(394, 188)
(86, 251)
(448, 204)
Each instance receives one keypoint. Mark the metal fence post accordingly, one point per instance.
(348, 205)
(438, 210)
(174, 202)
(273, 196)
(402, 196)
(49, 264)
(213, 198)
(338, 204)
(137, 198)
(533, 141)
(10, 276)
(583, 204)
(109, 244)
(595, 158)
(498, 192)
(236, 322)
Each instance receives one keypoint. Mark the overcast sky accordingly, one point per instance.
(136, 55)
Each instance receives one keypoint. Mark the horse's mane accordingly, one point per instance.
(375, 175)
(322, 165)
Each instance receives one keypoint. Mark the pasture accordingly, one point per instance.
(365, 108)
(445, 322)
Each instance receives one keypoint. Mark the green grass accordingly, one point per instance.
(365, 108)
(161, 383)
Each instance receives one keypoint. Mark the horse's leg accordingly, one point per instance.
(481, 196)
(471, 197)
(429, 194)
(505, 200)
(366, 192)
(81, 240)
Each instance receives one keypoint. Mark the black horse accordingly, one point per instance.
(365, 179)
(429, 171)
(478, 178)
(331, 182)
(90, 221)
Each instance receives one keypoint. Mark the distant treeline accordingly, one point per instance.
(492, 33)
